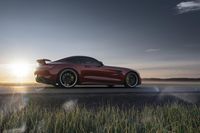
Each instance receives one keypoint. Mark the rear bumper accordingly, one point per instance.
(45, 76)
(44, 80)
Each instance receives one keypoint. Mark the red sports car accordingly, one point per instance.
(83, 70)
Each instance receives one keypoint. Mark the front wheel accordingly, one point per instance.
(131, 80)
(68, 78)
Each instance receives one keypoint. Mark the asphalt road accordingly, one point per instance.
(91, 96)
(146, 89)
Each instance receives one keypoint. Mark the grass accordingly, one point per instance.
(110, 119)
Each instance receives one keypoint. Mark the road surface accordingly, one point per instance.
(146, 94)
(145, 88)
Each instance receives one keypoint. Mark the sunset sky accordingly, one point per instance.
(159, 38)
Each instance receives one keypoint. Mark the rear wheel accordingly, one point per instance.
(131, 80)
(68, 78)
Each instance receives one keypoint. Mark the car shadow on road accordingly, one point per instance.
(91, 87)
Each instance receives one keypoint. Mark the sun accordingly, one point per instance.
(19, 69)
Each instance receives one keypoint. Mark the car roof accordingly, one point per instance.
(78, 56)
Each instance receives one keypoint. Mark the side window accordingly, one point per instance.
(73, 60)
(90, 61)
(76, 60)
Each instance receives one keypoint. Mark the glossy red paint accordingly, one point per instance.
(49, 73)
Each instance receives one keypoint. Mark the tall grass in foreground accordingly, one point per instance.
(167, 118)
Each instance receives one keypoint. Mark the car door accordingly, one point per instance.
(94, 71)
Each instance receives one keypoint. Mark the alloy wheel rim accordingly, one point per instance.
(68, 78)
(132, 79)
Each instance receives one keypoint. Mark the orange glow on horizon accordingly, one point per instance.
(19, 71)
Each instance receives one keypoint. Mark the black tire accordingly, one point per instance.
(110, 86)
(131, 80)
(68, 78)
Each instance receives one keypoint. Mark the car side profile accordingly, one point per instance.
(83, 70)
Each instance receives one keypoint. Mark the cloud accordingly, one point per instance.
(152, 50)
(188, 6)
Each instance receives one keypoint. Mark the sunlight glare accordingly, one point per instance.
(19, 69)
